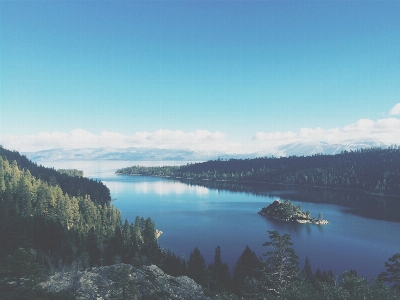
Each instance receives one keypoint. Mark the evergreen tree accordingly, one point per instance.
(307, 272)
(281, 263)
(173, 265)
(331, 276)
(150, 250)
(122, 282)
(2, 173)
(392, 273)
(244, 269)
(92, 247)
(318, 275)
(197, 268)
(220, 275)
(22, 264)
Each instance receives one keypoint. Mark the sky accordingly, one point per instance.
(229, 76)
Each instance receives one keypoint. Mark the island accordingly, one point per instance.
(286, 211)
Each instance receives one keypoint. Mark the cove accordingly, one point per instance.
(362, 234)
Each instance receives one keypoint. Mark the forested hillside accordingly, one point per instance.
(371, 170)
(44, 229)
(73, 185)
(66, 228)
(47, 223)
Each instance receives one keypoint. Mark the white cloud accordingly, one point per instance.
(384, 130)
(395, 110)
(167, 139)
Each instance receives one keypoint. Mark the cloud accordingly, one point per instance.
(203, 140)
(386, 131)
(395, 110)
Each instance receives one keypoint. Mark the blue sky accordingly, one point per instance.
(233, 76)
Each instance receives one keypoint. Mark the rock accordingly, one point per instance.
(288, 212)
(158, 233)
(123, 281)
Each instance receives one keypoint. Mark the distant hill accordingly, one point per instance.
(312, 148)
(373, 170)
(134, 154)
(154, 154)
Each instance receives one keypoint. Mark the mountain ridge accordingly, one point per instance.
(159, 154)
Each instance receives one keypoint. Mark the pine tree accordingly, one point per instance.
(220, 275)
(281, 264)
(392, 273)
(307, 272)
(244, 269)
(197, 268)
(22, 264)
(318, 275)
(151, 251)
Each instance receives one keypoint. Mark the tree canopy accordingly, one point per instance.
(372, 170)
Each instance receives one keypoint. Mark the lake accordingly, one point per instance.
(362, 233)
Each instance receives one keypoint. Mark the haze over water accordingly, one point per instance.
(196, 216)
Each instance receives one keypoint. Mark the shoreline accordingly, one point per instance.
(286, 211)
(266, 182)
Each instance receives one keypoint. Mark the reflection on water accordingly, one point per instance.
(354, 202)
(165, 188)
(207, 214)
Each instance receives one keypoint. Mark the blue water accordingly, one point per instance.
(193, 216)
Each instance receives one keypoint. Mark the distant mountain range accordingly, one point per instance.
(308, 149)
(154, 154)
(132, 154)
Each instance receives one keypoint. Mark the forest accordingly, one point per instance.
(372, 170)
(63, 221)
(58, 221)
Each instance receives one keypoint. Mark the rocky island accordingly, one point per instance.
(286, 211)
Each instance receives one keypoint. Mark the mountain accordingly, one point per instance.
(312, 148)
(133, 154)
(155, 154)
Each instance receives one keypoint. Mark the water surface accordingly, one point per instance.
(192, 215)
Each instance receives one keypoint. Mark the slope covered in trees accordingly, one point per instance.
(44, 225)
(372, 170)
(67, 229)
(72, 185)
(43, 228)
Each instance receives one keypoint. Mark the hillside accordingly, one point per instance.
(57, 246)
(46, 227)
(72, 185)
(372, 170)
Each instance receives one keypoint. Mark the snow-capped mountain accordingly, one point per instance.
(154, 154)
(131, 154)
(307, 149)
